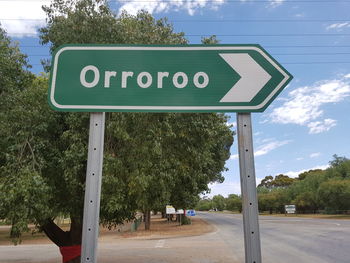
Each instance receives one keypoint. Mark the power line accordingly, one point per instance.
(316, 62)
(265, 46)
(235, 1)
(206, 1)
(238, 35)
(258, 20)
(311, 54)
(270, 35)
(283, 63)
(308, 46)
(22, 19)
(218, 20)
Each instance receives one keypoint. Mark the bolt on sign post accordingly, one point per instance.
(190, 78)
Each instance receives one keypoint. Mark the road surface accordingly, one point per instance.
(284, 239)
(289, 239)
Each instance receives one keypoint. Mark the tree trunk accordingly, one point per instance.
(62, 238)
(147, 219)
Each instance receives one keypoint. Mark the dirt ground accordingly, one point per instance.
(160, 228)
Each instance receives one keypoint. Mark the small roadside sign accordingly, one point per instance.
(190, 212)
(290, 209)
(170, 209)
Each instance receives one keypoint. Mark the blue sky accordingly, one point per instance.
(308, 122)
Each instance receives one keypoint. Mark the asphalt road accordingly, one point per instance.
(289, 239)
(284, 240)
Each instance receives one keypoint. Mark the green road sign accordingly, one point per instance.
(193, 78)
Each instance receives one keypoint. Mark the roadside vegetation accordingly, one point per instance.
(219, 203)
(315, 191)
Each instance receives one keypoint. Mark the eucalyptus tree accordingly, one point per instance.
(14, 67)
(14, 78)
(334, 195)
(128, 151)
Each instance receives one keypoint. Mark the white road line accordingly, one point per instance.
(160, 243)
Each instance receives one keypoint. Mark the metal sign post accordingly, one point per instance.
(248, 188)
(93, 188)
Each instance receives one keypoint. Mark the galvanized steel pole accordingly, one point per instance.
(248, 188)
(93, 188)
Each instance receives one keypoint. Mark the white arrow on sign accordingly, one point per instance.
(253, 77)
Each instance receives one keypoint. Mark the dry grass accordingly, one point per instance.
(160, 228)
(27, 238)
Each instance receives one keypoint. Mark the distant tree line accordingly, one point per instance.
(314, 191)
(219, 203)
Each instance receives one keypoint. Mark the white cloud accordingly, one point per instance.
(272, 3)
(294, 174)
(266, 140)
(233, 124)
(300, 158)
(224, 189)
(234, 157)
(270, 146)
(301, 15)
(259, 179)
(314, 155)
(275, 3)
(304, 105)
(257, 133)
(23, 18)
(321, 126)
(14, 17)
(158, 6)
(338, 26)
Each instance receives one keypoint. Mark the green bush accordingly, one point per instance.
(186, 221)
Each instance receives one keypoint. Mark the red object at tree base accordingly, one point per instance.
(71, 252)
